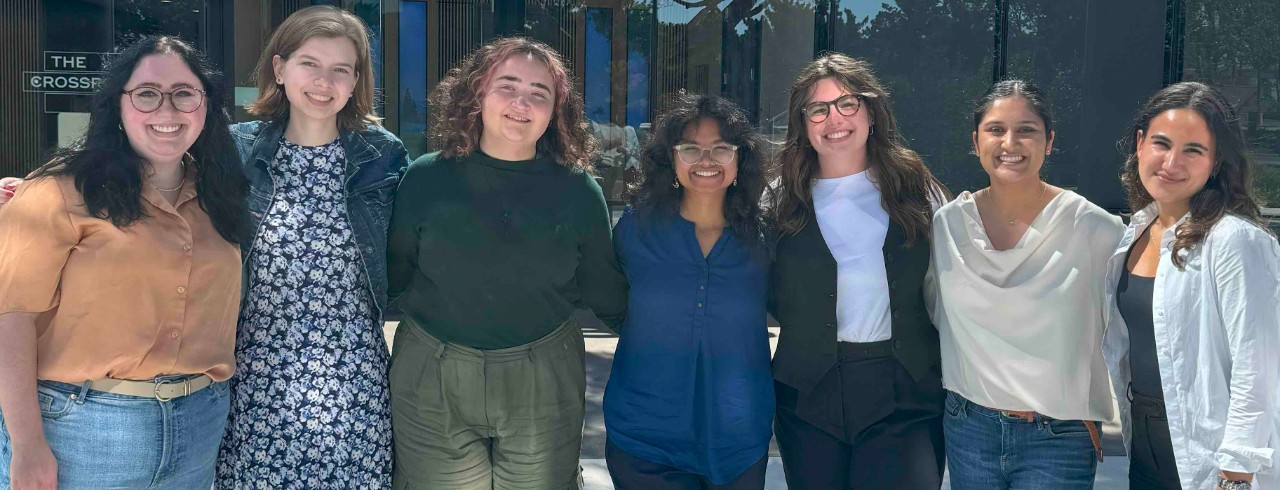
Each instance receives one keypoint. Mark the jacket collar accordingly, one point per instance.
(358, 149)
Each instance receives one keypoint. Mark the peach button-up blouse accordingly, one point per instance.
(158, 297)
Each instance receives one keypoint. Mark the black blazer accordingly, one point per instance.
(803, 300)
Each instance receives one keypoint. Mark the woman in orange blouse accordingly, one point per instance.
(120, 286)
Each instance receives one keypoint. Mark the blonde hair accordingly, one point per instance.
(317, 21)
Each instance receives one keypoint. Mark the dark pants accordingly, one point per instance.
(867, 425)
(632, 473)
(1151, 465)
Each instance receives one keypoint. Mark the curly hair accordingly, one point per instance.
(906, 185)
(108, 172)
(742, 201)
(456, 124)
(1230, 185)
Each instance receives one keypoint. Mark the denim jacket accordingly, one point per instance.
(376, 160)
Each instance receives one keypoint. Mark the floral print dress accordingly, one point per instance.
(310, 407)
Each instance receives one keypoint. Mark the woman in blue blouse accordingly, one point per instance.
(690, 400)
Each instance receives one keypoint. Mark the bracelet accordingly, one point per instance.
(1226, 484)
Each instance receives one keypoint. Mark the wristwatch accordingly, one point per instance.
(1226, 484)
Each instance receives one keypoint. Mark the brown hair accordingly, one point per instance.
(455, 105)
(1230, 185)
(317, 21)
(905, 184)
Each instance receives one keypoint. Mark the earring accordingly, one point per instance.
(873, 130)
(676, 184)
(735, 182)
(279, 81)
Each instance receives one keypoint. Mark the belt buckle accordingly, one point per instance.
(163, 399)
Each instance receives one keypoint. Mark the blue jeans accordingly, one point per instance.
(987, 450)
(104, 440)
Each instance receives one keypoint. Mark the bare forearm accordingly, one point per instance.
(18, 398)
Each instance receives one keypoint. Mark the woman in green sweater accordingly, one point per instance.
(494, 241)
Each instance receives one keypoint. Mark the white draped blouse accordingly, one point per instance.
(1021, 329)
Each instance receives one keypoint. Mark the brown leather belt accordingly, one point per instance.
(1094, 435)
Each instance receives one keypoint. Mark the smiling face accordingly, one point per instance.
(318, 77)
(838, 138)
(1175, 156)
(705, 176)
(516, 108)
(1011, 141)
(165, 134)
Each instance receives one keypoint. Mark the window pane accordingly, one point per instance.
(639, 59)
(935, 59)
(1233, 46)
(598, 79)
(1045, 49)
(413, 77)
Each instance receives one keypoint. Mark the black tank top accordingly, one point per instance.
(1134, 296)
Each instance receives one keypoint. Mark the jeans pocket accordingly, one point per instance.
(1066, 428)
(954, 407)
(221, 388)
(54, 403)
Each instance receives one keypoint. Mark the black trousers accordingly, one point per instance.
(867, 425)
(1151, 466)
(632, 473)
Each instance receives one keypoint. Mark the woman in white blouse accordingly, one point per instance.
(1018, 300)
(1193, 331)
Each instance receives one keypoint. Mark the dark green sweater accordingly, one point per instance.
(492, 254)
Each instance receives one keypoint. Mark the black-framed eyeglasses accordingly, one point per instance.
(691, 154)
(818, 111)
(149, 99)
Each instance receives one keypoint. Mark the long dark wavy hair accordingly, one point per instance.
(1230, 185)
(906, 185)
(107, 171)
(456, 124)
(742, 201)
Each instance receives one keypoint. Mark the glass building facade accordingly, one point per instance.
(1098, 60)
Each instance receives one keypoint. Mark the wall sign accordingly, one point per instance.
(66, 72)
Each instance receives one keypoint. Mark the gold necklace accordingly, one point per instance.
(1043, 189)
(180, 182)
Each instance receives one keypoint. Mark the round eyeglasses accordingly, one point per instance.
(691, 154)
(847, 105)
(149, 99)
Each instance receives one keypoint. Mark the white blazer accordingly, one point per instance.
(1217, 332)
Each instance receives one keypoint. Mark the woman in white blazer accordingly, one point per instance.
(1193, 328)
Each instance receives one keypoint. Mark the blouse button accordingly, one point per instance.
(699, 305)
(182, 290)
(702, 287)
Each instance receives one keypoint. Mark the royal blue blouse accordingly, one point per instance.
(691, 386)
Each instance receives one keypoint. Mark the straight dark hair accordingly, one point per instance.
(1035, 98)
(108, 172)
(742, 201)
(1230, 185)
